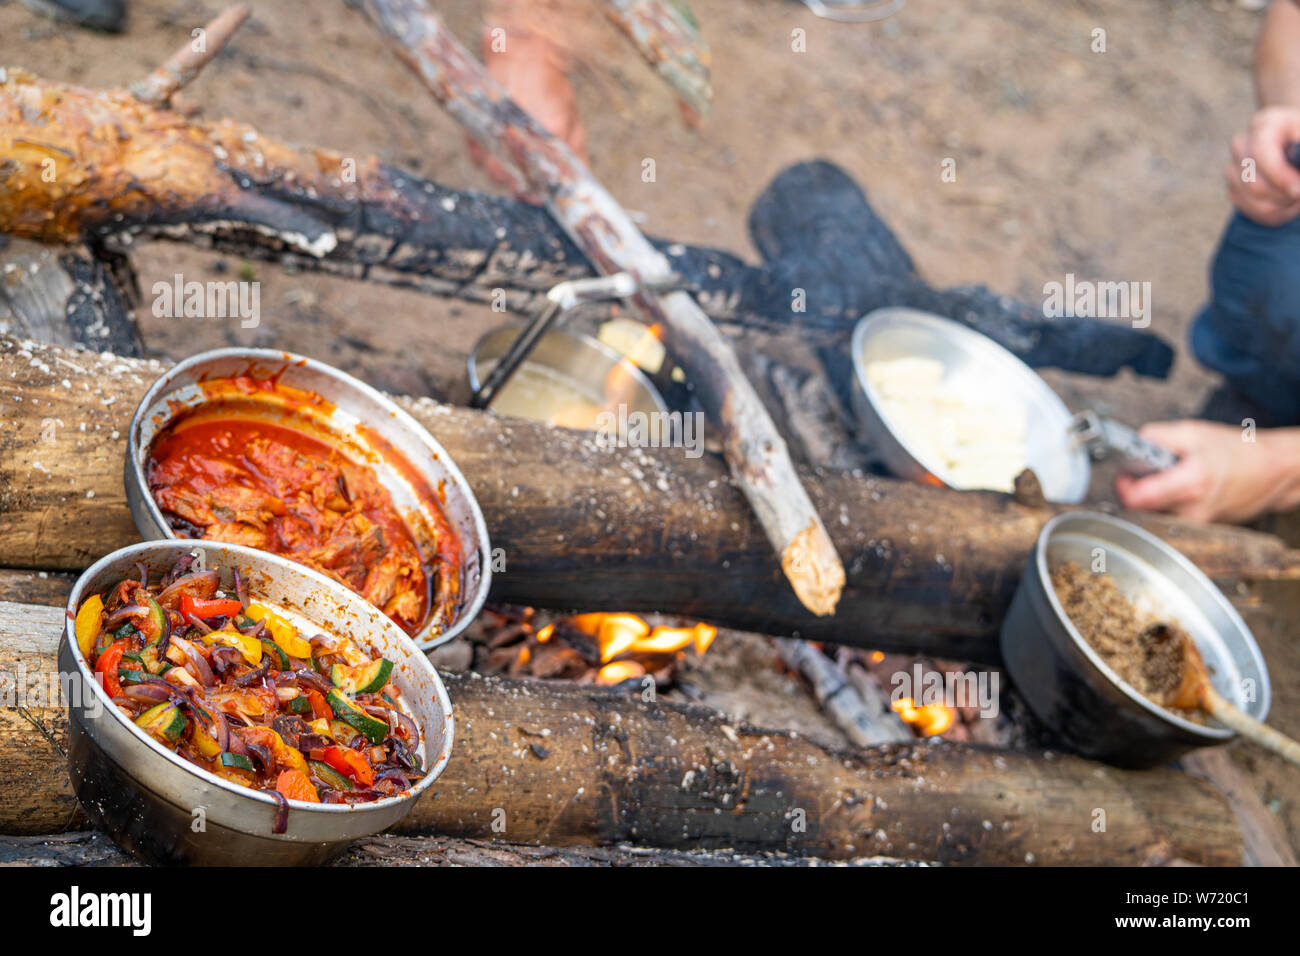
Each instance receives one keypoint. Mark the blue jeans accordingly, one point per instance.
(1250, 330)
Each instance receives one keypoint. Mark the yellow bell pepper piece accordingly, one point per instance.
(90, 618)
(249, 647)
(205, 742)
(284, 634)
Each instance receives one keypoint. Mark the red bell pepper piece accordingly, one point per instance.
(204, 608)
(319, 708)
(347, 761)
(106, 666)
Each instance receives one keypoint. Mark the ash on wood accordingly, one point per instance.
(931, 571)
(613, 769)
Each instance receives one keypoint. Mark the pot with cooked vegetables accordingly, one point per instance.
(234, 707)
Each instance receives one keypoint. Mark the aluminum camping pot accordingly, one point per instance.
(1068, 685)
(974, 363)
(402, 454)
(164, 809)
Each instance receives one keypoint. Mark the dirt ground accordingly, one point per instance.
(1102, 164)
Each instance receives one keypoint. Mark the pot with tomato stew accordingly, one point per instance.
(293, 457)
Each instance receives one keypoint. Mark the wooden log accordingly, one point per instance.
(92, 848)
(560, 765)
(67, 295)
(756, 451)
(123, 169)
(931, 571)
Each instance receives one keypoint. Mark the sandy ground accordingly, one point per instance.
(1102, 164)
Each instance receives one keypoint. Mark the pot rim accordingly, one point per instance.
(165, 384)
(1209, 733)
(180, 545)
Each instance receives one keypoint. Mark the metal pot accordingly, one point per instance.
(1073, 691)
(354, 412)
(976, 363)
(583, 361)
(166, 810)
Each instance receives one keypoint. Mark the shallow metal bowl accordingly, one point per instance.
(166, 810)
(585, 363)
(980, 366)
(354, 412)
(1068, 685)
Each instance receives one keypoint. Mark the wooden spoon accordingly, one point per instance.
(1196, 693)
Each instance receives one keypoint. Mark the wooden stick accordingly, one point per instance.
(665, 33)
(1213, 703)
(755, 450)
(162, 84)
(564, 765)
(1196, 691)
(840, 699)
(932, 571)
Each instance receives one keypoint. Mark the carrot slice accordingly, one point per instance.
(295, 785)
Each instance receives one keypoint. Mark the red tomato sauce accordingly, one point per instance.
(256, 483)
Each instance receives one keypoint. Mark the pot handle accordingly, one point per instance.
(1104, 437)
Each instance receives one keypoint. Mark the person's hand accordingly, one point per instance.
(1219, 476)
(1274, 197)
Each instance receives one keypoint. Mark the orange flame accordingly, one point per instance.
(619, 671)
(931, 719)
(628, 635)
(620, 383)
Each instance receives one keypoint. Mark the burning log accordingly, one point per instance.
(562, 765)
(545, 167)
(931, 571)
(124, 168)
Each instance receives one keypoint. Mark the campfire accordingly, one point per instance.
(930, 720)
(593, 648)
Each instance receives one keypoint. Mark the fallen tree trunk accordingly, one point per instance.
(559, 765)
(930, 571)
(123, 168)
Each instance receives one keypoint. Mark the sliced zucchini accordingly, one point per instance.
(164, 721)
(329, 776)
(273, 650)
(365, 679)
(133, 676)
(236, 761)
(343, 732)
(375, 730)
(300, 705)
(154, 623)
